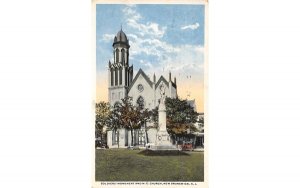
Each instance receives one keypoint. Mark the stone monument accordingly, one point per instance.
(163, 140)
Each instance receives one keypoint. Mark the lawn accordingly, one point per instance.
(131, 165)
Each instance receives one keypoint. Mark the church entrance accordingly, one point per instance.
(139, 137)
(115, 137)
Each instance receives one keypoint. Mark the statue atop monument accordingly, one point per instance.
(162, 89)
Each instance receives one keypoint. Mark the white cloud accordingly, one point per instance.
(150, 28)
(132, 13)
(153, 30)
(108, 37)
(193, 26)
(154, 47)
(132, 36)
(146, 63)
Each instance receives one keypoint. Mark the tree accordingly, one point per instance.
(114, 122)
(102, 112)
(131, 117)
(201, 124)
(181, 117)
(145, 117)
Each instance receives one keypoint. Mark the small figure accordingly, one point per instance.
(162, 93)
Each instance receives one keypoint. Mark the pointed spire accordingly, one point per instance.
(175, 80)
(154, 78)
(121, 26)
(170, 76)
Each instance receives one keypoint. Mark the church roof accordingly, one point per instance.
(165, 81)
(140, 72)
(161, 79)
(121, 38)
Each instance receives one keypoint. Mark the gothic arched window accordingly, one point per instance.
(126, 76)
(123, 55)
(114, 53)
(117, 55)
(120, 75)
(111, 77)
(116, 76)
(140, 102)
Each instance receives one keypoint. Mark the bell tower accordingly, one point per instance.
(120, 74)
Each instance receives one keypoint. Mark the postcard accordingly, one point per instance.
(151, 89)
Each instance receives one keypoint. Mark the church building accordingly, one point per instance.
(144, 92)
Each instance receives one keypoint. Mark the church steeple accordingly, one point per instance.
(120, 73)
(121, 48)
(121, 59)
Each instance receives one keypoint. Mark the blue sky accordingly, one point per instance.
(163, 38)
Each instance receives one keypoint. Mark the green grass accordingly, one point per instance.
(137, 165)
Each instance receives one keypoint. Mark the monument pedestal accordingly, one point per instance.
(163, 142)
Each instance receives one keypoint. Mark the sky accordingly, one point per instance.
(162, 38)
